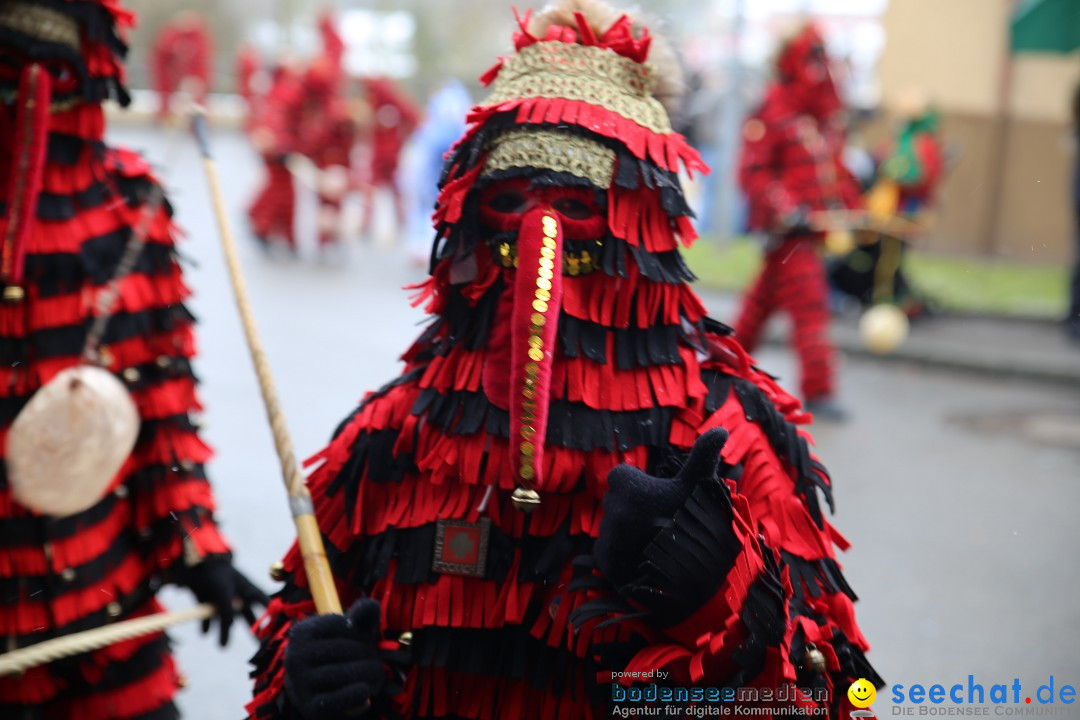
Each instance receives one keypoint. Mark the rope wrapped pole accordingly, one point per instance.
(21, 660)
(316, 566)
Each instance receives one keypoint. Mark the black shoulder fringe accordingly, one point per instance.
(791, 446)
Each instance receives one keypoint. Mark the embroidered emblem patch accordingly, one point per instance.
(461, 547)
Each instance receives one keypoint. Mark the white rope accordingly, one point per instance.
(17, 661)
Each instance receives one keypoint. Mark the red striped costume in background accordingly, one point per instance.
(183, 53)
(63, 575)
(394, 117)
(273, 126)
(789, 167)
(546, 177)
(326, 135)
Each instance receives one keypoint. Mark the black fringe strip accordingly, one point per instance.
(68, 341)
(765, 618)
(509, 653)
(789, 445)
(571, 425)
(133, 600)
(812, 576)
(542, 557)
(115, 675)
(44, 588)
(64, 273)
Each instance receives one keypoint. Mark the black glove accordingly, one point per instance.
(332, 664)
(638, 506)
(217, 582)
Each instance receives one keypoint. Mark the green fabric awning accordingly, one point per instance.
(1051, 26)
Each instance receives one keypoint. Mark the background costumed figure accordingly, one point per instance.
(182, 59)
(790, 168)
(70, 205)
(326, 135)
(519, 514)
(393, 117)
(909, 173)
(275, 134)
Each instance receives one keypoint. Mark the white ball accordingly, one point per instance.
(883, 328)
(70, 440)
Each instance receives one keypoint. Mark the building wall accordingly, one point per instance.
(957, 53)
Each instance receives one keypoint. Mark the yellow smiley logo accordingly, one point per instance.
(862, 693)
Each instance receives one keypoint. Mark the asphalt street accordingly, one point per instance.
(962, 520)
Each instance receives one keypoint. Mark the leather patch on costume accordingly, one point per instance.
(461, 547)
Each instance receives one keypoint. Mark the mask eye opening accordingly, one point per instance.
(510, 201)
(573, 208)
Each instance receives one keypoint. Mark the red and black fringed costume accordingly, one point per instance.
(790, 167)
(182, 54)
(274, 132)
(394, 116)
(70, 204)
(464, 500)
(326, 135)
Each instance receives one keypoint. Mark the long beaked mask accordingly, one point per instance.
(56, 56)
(563, 199)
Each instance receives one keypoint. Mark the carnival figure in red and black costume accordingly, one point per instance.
(182, 57)
(327, 134)
(275, 133)
(502, 518)
(394, 116)
(70, 205)
(789, 169)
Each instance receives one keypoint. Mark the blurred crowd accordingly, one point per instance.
(336, 135)
(808, 181)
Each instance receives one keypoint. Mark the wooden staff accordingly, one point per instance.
(320, 579)
(825, 220)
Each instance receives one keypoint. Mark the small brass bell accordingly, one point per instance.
(814, 660)
(277, 572)
(405, 639)
(525, 500)
(14, 294)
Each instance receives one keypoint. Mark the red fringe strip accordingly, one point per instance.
(38, 685)
(30, 614)
(68, 552)
(666, 150)
(137, 293)
(85, 120)
(599, 386)
(636, 217)
(67, 236)
(768, 484)
(141, 697)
